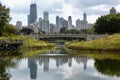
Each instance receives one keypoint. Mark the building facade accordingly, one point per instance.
(32, 17)
(45, 23)
(78, 24)
(19, 25)
(112, 10)
(69, 22)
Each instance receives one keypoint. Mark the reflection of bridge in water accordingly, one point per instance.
(60, 60)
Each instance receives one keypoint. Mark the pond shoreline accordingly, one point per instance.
(106, 44)
(28, 43)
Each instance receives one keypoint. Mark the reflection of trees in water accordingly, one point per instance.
(6, 62)
(108, 67)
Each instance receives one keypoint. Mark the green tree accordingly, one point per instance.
(87, 31)
(4, 17)
(26, 31)
(72, 31)
(108, 24)
(10, 29)
(63, 30)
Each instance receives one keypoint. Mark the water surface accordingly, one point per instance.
(57, 64)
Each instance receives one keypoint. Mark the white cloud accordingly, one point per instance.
(14, 3)
(63, 8)
(92, 18)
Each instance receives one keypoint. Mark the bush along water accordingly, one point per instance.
(27, 42)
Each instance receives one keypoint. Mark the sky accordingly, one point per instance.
(19, 9)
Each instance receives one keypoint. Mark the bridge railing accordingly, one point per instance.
(65, 36)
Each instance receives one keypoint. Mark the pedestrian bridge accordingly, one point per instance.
(64, 37)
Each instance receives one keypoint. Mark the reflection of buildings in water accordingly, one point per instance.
(33, 68)
(46, 64)
(40, 61)
(70, 62)
(78, 60)
(58, 62)
(82, 60)
(44, 60)
(61, 61)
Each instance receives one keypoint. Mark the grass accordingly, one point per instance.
(27, 42)
(109, 43)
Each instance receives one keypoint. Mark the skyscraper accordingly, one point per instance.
(33, 13)
(45, 22)
(84, 21)
(57, 24)
(78, 24)
(65, 24)
(69, 22)
(112, 10)
(84, 16)
(46, 16)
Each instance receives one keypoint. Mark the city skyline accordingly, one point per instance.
(62, 8)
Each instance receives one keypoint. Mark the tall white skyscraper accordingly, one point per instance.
(70, 22)
(46, 16)
(45, 22)
(78, 24)
(45, 26)
(59, 21)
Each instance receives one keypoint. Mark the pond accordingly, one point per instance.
(58, 64)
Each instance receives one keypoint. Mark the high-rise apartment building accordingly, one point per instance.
(60, 22)
(65, 24)
(70, 22)
(19, 25)
(78, 24)
(52, 29)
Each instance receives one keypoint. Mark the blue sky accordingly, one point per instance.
(63, 8)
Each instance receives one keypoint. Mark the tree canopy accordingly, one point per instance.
(10, 29)
(26, 31)
(4, 17)
(63, 30)
(108, 24)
